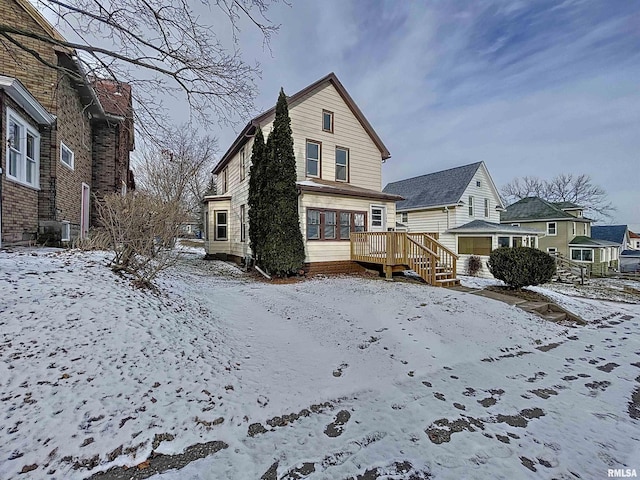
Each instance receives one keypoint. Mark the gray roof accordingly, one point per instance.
(590, 242)
(434, 189)
(612, 233)
(566, 205)
(482, 226)
(630, 253)
(534, 208)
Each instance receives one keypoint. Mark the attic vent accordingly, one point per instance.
(477, 183)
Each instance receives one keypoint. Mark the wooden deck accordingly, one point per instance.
(420, 252)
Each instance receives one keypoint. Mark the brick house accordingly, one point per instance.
(64, 136)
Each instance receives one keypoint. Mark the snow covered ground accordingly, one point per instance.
(325, 378)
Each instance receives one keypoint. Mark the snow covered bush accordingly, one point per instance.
(521, 266)
(140, 230)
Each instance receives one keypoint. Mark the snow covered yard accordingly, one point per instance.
(326, 378)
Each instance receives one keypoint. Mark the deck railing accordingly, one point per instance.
(421, 252)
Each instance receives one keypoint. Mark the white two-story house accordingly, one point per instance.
(339, 160)
(461, 208)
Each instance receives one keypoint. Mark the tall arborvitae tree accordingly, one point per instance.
(257, 179)
(283, 249)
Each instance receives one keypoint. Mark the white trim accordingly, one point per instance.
(28, 102)
(21, 164)
(85, 210)
(555, 229)
(346, 166)
(70, 166)
(383, 214)
(306, 158)
(571, 250)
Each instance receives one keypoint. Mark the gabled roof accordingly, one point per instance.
(530, 209)
(591, 242)
(633, 234)
(42, 22)
(482, 226)
(612, 233)
(437, 189)
(292, 100)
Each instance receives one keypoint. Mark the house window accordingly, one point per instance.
(573, 229)
(552, 251)
(66, 156)
(376, 217)
(23, 151)
(327, 121)
(206, 225)
(243, 223)
(313, 159)
(486, 207)
(503, 242)
(515, 224)
(582, 255)
(221, 225)
(66, 232)
(330, 225)
(552, 228)
(404, 217)
(323, 224)
(477, 183)
(474, 245)
(243, 165)
(342, 164)
(585, 228)
(471, 206)
(517, 242)
(224, 180)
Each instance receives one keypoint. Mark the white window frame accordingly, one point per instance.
(404, 217)
(478, 183)
(243, 223)
(225, 180)
(330, 115)
(66, 228)
(486, 207)
(555, 229)
(346, 165)
(574, 229)
(307, 158)
(70, 166)
(470, 206)
(515, 224)
(552, 250)
(21, 153)
(571, 250)
(218, 224)
(584, 229)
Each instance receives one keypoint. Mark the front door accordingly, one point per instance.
(378, 219)
(84, 211)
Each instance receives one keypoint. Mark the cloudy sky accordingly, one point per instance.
(531, 88)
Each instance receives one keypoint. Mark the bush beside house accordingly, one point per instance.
(521, 266)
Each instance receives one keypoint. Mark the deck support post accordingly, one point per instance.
(388, 272)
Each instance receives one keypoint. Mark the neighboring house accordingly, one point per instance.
(567, 232)
(616, 234)
(461, 207)
(630, 261)
(60, 142)
(339, 160)
(634, 241)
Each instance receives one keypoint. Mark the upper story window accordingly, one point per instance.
(586, 229)
(470, 206)
(23, 151)
(573, 229)
(552, 228)
(313, 158)
(404, 217)
(243, 165)
(221, 225)
(224, 180)
(327, 121)
(486, 207)
(477, 183)
(66, 156)
(342, 164)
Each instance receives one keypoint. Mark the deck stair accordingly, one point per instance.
(395, 251)
(568, 271)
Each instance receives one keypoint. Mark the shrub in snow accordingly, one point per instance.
(521, 266)
(474, 264)
(140, 230)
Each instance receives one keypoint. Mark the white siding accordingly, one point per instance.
(326, 251)
(479, 194)
(365, 160)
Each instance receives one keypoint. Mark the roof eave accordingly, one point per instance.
(19, 94)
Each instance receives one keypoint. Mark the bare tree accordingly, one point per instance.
(179, 170)
(157, 46)
(578, 189)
